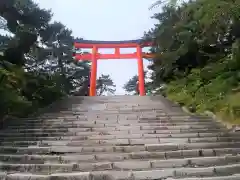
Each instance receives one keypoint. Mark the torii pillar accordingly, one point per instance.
(93, 77)
(140, 72)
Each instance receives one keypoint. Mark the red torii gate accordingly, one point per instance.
(94, 56)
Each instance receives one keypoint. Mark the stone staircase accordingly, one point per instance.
(118, 137)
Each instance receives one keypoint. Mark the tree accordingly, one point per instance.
(163, 2)
(25, 20)
(58, 52)
(131, 85)
(36, 63)
(197, 54)
(105, 84)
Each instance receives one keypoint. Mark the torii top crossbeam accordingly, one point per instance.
(111, 44)
(95, 55)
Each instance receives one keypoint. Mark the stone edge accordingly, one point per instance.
(229, 126)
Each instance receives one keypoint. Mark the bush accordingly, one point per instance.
(216, 94)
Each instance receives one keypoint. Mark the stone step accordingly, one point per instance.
(78, 155)
(151, 115)
(204, 172)
(110, 120)
(110, 123)
(126, 165)
(233, 177)
(192, 159)
(115, 118)
(120, 125)
(117, 127)
(80, 124)
(117, 148)
(95, 131)
(102, 175)
(117, 141)
(98, 136)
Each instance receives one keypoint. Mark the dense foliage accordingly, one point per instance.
(36, 64)
(198, 55)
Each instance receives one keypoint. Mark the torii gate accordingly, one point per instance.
(94, 56)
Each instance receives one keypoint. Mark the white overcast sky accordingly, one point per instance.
(106, 20)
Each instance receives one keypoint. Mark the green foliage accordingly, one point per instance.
(105, 85)
(36, 63)
(161, 2)
(25, 20)
(198, 55)
(131, 85)
(11, 101)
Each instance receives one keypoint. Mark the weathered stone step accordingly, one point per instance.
(104, 148)
(106, 112)
(111, 113)
(96, 118)
(110, 127)
(155, 160)
(130, 110)
(126, 141)
(105, 175)
(112, 123)
(92, 131)
(104, 116)
(127, 110)
(94, 127)
(80, 124)
(55, 155)
(233, 177)
(136, 175)
(99, 136)
(172, 120)
(49, 167)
